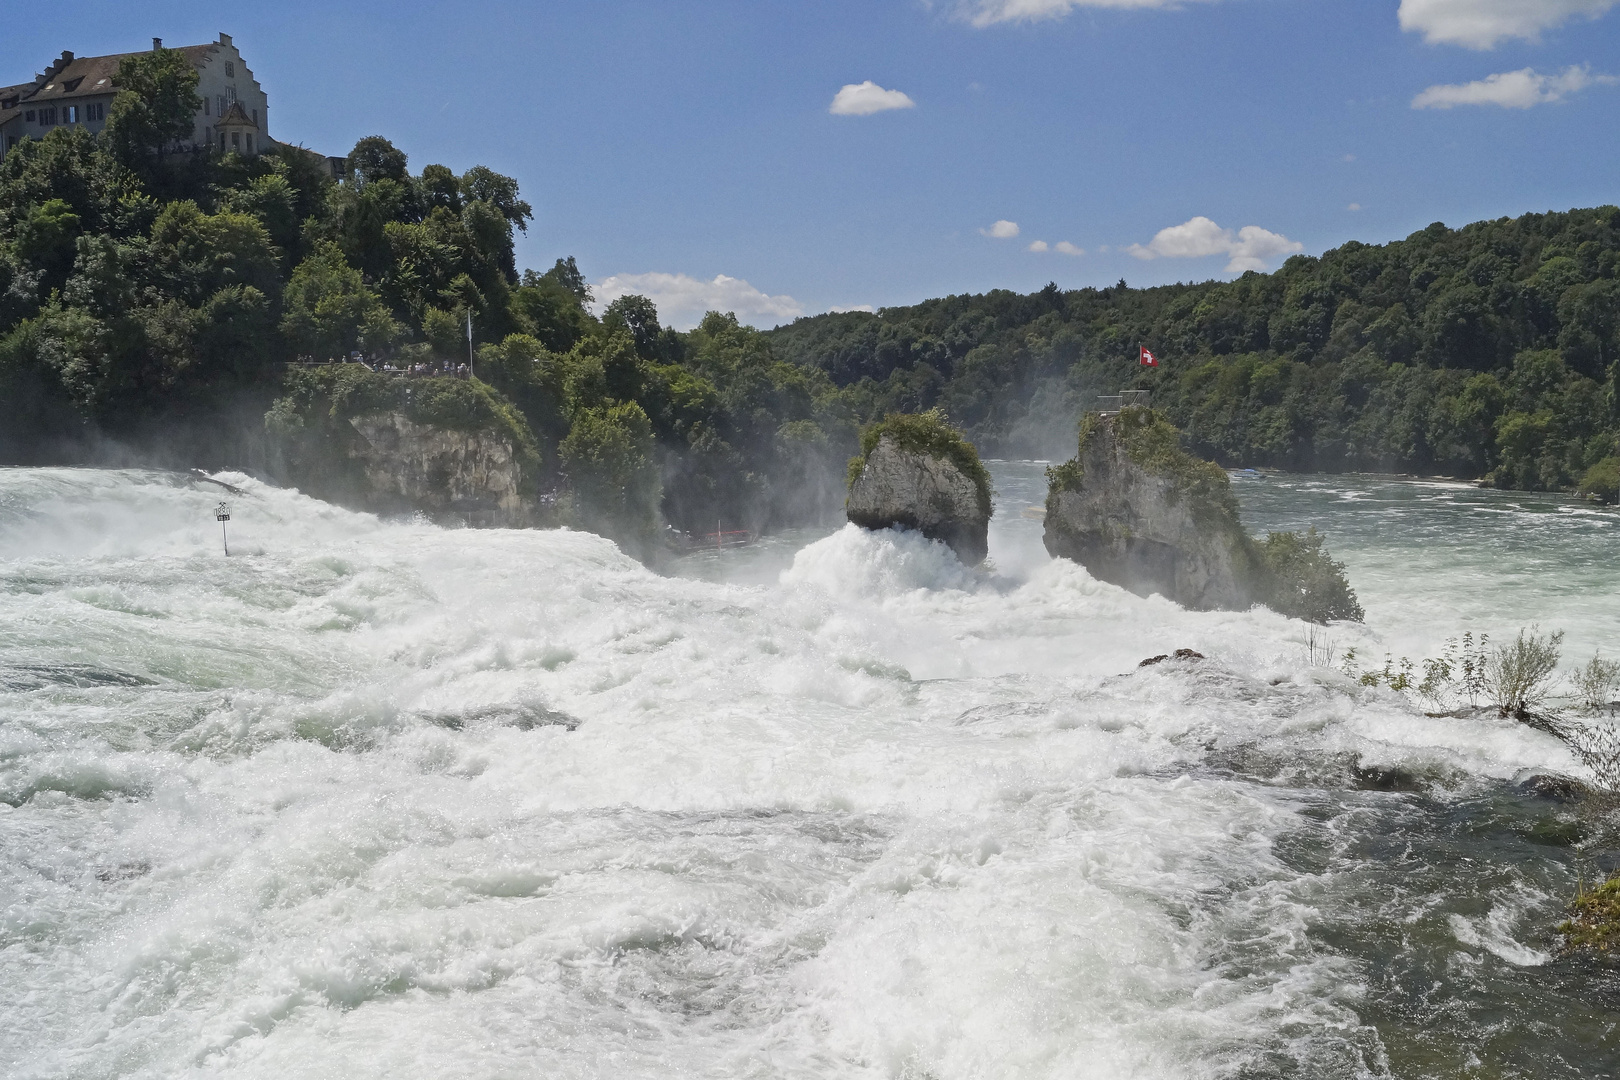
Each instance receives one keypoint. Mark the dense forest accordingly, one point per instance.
(166, 307)
(1483, 352)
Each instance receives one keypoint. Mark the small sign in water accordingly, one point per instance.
(222, 514)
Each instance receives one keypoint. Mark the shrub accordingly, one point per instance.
(1602, 481)
(1519, 675)
(926, 433)
(1595, 681)
(1304, 582)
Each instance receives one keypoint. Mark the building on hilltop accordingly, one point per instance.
(77, 91)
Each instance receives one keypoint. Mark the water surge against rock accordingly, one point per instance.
(378, 798)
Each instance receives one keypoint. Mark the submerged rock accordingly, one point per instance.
(1136, 510)
(916, 472)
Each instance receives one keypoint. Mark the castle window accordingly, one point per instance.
(222, 142)
(95, 111)
(250, 144)
(221, 101)
(230, 93)
(255, 117)
(70, 114)
(47, 117)
(205, 106)
(230, 69)
(236, 140)
(28, 117)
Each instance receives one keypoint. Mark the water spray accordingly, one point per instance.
(222, 514)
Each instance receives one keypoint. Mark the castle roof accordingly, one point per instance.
(13, 93)
(73, 77)
(236, 116)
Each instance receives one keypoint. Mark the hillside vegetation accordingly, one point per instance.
(1483, 352)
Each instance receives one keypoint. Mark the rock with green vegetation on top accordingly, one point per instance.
(917, 472)
(451, 448)
(1137, 510)
(1594, 920)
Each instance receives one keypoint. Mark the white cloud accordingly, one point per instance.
(1248, 249)
(1512, 89)
(683, 300)
(868, 308)
(864, 99)
(1038, 245)
(989, 12)
(1480, 24)
(1067, 248)
(1354, 206)
(1001, 230)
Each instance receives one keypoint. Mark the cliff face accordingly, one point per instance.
(419, 466)
(451, 448)
(1135, 510)
(917, 490)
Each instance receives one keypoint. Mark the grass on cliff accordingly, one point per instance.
(926, 433)
(1154, 444)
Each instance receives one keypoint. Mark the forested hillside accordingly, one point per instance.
(1486, 351)
(161, 307)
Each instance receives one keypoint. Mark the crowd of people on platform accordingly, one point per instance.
(443, 369)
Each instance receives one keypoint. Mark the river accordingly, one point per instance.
(377, 798)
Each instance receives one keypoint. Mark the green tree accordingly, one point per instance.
(155, 107)
(330, 312)
(375, 158)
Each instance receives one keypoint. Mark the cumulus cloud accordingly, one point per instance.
(1001, 230)
(1512, 89)
(1480, 24)
(989, 12)
(1038, 245)
(683, 300)
(866, 98)
(1066, 248)
(1249, 248)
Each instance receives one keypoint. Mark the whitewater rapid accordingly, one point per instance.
(378, 798)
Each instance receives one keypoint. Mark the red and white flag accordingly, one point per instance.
(1149, 360)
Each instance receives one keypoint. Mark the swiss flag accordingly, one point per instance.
(1149, 360)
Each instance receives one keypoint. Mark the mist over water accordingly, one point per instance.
(377, 798)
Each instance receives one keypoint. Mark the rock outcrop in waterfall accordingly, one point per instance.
(1136, 510)
(917, 472)
(450, 448)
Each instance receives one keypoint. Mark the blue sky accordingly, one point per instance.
(690, 148)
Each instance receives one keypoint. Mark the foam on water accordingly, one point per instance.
(380, 799)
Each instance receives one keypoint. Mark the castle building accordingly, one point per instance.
(77, 91)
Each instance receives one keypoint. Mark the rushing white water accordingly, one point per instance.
(383, 799)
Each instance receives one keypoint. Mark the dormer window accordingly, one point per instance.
(9, 103)
(230, 69)
(72, 85)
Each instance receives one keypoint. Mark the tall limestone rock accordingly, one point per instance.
(916, 472)
(474, 474)
(1137, 511)
(453, 449)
